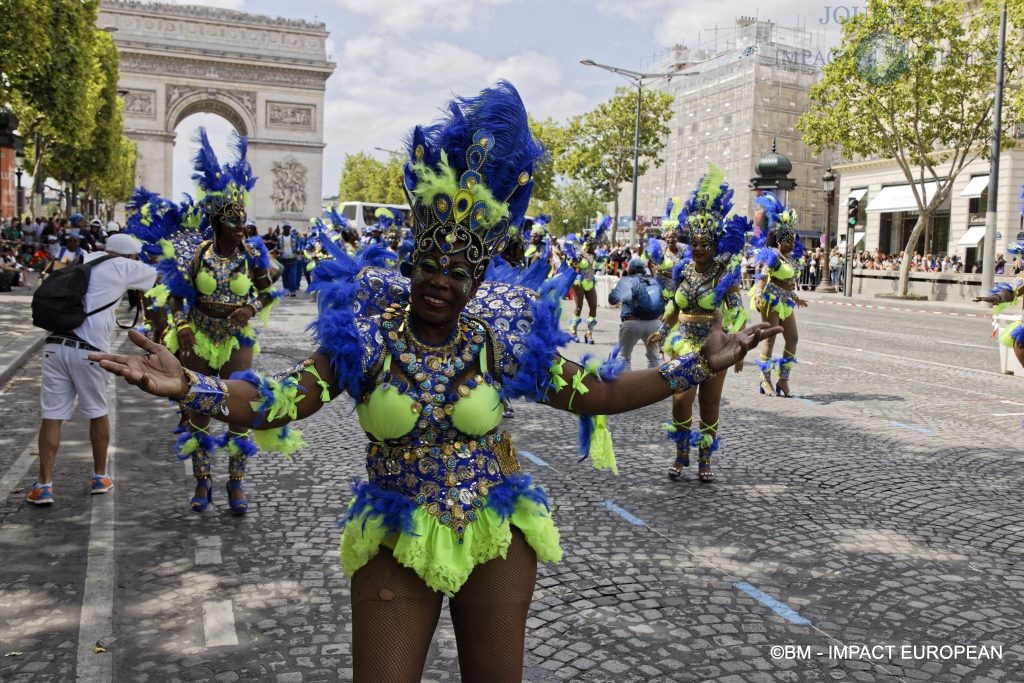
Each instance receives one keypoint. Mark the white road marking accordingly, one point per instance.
(1006, 414)
(891, 333)
(16, 472)
(208, 550)
(911, 360)
(219, 624)
(97, 619)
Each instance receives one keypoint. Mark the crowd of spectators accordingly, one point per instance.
(32, 247)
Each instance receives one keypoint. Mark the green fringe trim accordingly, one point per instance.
(283, 440)
(433, 551)
(602, 454)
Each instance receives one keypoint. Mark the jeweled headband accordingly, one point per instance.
(469, 177)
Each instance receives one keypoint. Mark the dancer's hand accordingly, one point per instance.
(158, 372)
(801, 303)
(655, 339)
(186, 341)
(991, 299)
(240, 317)
(739, 366)
(723, 350)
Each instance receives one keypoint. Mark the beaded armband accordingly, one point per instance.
(206, 395)
(686, 371)
(664, 330)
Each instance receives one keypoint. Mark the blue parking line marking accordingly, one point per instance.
(628, 516)
(913, 428)
(780, 608)
(532, 458)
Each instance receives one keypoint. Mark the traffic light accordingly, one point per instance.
(852, 210)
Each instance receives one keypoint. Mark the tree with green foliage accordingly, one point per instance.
(25, 42)
(598, 147)
(366, 179)
(552, 136)
(913, 81)
(101, 159)
(57, 101)
(573, 201)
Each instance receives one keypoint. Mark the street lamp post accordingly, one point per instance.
(828, 182)
(988, 262)
(637, 79)
(20, 197)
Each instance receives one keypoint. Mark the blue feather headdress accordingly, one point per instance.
(223, 190)
(469, 177)
(673, 210)
(781, 220)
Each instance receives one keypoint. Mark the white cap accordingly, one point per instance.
(124, 244)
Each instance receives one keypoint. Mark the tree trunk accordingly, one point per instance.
(908, 252)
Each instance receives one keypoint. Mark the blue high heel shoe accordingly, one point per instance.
(767, 383)
(240, 506)
(199, 503)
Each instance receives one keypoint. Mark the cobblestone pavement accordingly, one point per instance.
(880, 507)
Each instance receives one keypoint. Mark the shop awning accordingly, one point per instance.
(899, 198)
(972, 237)
(978, 184)
(858, 194)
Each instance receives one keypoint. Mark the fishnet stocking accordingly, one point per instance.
(489, 614)
(394, 615)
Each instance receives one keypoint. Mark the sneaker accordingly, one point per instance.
(40, 495)
(101, 484)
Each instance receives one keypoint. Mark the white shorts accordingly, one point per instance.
(68, 372)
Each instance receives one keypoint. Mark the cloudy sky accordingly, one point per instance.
(398, 61)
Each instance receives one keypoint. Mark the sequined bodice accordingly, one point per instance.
(446, 460)
(695, 293)
(584, 265)
(788, 267)
(224, 279)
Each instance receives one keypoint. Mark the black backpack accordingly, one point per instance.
(58, 304)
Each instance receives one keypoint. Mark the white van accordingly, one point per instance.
(360, 214)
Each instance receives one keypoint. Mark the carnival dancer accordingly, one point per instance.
(540, 240)
(447, 509)
(218, 281)
(707, 279)
(773, 295)
(1006, 295)
(581, 256)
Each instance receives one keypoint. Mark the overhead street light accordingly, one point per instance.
(637, 79)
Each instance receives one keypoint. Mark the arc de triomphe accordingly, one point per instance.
(265, 76)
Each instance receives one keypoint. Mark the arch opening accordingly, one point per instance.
(220, 131)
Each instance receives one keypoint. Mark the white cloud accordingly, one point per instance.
(421, 15)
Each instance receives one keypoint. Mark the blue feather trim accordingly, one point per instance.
(726, 282)
(696, 438)
(586, 431)
(1017, 335)
(207, 442)
(266, 393)
(677, 436)
(503, 497)
(766, 256)
(532, 379)
(243, 442)
(391, 510)
(613, 366)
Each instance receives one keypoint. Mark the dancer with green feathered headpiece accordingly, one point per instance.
(427, 355)
(773, 295)
(706, 280)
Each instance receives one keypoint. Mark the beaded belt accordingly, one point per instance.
(450, 480)
(787, 285)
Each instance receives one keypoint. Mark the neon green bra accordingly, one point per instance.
(389, 414)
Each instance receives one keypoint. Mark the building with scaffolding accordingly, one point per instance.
(738, 93)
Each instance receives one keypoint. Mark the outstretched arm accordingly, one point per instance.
(580, 390)
(270, 403)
